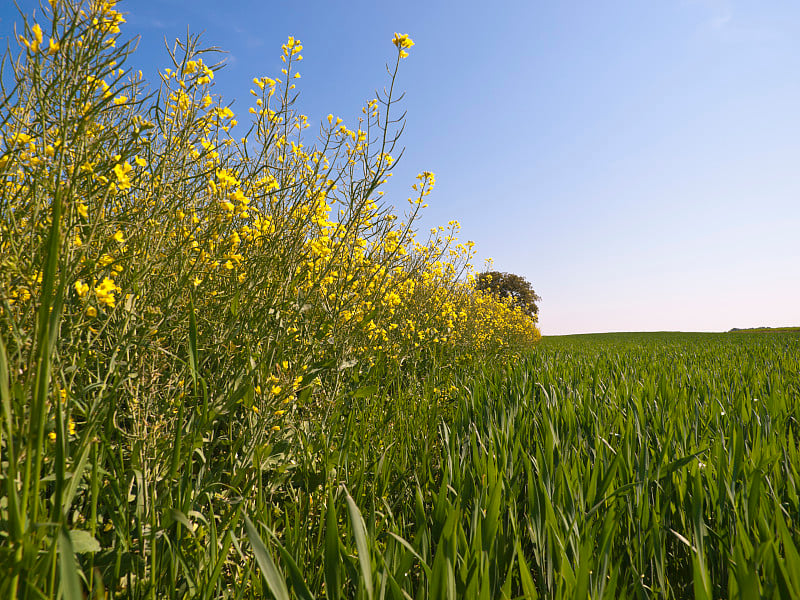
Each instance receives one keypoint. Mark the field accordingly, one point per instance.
(231, 368)
(617, 465)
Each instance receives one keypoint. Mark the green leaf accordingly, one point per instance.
(83, 541)
(295, 575)
(273, 577)
(332, 580)
(10, 477)
(366, 391)
(791, 557)
(76, 479)
(181, 518)
(443, 581)
(68, 567)
(360, 535)
(408, 547)
(700, 576)
(582, 585)
(528, 586)
(492, 518)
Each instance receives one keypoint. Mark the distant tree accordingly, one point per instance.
(508, 285)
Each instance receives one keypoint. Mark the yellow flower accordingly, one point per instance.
(37, 32)
(118, 237)
(91, 311)
(239, 196)
(276, 428)
(83, 210)
(38, 38)
(121, 171)
(52, 436)
(276, 390)
(21, 138)
(105, 292)
(402, 41)
(81, 288)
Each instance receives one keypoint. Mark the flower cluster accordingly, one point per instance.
(284, 253)
(402, 41)
(161, 213)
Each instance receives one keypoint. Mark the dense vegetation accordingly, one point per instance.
(229, 369)
(607, 466)
(186, 314)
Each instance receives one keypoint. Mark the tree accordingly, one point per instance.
(509, 285)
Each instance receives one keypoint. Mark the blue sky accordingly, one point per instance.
(636, 161)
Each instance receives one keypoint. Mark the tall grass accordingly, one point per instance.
(629, 466)
(189, 317)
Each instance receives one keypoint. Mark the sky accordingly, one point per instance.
(637, 162)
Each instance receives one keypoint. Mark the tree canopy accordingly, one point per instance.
(509, 285)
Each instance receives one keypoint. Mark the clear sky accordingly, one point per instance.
(638, 162)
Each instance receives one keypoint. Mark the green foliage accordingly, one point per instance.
(511, 286)
(603, 466)
(243, 431)
(189, 317)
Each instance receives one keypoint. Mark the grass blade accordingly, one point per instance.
(68, 567)
(273, 577)
(333, 583)
(360, 535)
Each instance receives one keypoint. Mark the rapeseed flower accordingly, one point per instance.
(402, 41)
(121, 171)
(105, 292)
(81, 288)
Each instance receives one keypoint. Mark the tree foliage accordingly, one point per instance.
(509, 285)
